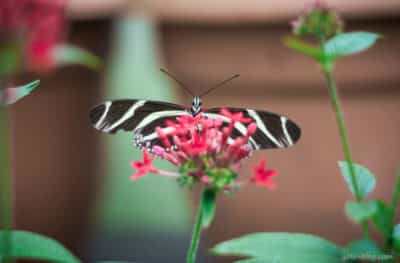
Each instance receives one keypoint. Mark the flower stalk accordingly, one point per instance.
(327, 68)
(195, 241)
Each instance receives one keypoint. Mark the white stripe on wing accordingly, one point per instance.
(261, 125)
(99, 123)
(285, 131)
(157, 115)
(127, 115)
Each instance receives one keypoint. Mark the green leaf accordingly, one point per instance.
(383, 219)
(396, 237)
(349, 43)
(27, 245)
(303, 47)
(365, 178)
(69, 54)
(11, 95)
(358, 212)
(208, 207)
(281, 247)
(364, 250)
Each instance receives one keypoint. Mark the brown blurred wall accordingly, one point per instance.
(55, 149)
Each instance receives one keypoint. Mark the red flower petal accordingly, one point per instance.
(143, 168)
(263, 176)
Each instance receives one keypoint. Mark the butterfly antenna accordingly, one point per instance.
(177, 81)
(219, 84)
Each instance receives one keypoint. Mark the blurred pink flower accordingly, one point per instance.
(40, 23)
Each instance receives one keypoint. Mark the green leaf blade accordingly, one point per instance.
(345, 44)
(10, 96)
(27, 245)
(364, 249)
(293, 258)
(281, 247)
(69, 54)
(208, 207)
(396, 238)
(303, 47)
(383, 218)
(365, 178)
(359, 212)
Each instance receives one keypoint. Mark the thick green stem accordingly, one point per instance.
(343, 136)
(345, 142)
(194, 243)
(5, 184)
(327, 68)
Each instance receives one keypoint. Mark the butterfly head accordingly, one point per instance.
(196, 106)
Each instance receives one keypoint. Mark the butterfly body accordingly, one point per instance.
(142, 117)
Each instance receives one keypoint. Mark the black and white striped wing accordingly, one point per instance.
(139, 116)
(273, 130)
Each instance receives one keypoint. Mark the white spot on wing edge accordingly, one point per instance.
(263, 128)
(128, 114)
(107, 104)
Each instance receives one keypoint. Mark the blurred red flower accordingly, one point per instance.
(263, 176)
(38, 24)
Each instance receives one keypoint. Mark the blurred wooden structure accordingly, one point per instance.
(56, 151)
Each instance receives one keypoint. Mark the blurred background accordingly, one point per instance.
(73, 182)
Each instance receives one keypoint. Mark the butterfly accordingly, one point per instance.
(142, 117)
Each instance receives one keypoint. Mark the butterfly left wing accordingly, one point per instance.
(139, 116)
(273, 130)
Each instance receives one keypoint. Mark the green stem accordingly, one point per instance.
(5, 184)
(327, 68)
(194, 243)
(343, 134)
(345, 142)
(395, 203)
(396, 195)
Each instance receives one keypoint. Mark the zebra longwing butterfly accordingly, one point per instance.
(143, 116)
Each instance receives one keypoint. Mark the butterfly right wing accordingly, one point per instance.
(273, 130)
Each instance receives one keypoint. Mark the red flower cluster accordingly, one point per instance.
(40, 23)
(205, 150)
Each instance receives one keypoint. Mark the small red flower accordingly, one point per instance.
(263, 176)
(235, 116)
(143, 168)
